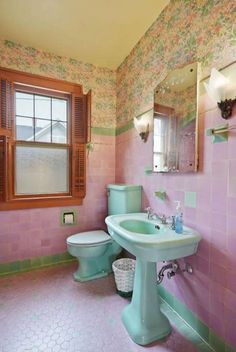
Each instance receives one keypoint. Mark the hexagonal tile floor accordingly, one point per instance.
(46, 311)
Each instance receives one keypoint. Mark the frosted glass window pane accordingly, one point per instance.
(59, 109)
(59, 132)
(158, 162)
(24, 104)
(41, 170)
(158, 145)
(157, 125)
(42, 107)
(42, 130)
(24, 128)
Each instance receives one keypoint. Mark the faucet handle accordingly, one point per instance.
(149, 212)
(163, 219)
(148, 209)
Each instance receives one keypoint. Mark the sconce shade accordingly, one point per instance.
(144, 124)
(218, 90)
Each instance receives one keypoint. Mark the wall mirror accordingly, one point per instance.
(176, 121)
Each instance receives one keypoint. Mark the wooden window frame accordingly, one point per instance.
(78, 135)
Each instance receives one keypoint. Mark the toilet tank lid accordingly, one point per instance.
(89, 237)
(123, 186)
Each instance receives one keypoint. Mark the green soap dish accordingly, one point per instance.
(161, 195)
(148, 170)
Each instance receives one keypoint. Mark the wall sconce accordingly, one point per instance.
(218, 90)
(143, 124)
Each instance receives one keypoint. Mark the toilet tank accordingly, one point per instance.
(123, 199)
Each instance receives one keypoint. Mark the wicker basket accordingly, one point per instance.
(124, 276)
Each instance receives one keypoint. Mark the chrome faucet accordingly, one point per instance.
(153, 216)
(149, 212)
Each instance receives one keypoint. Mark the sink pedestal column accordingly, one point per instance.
(142, 318)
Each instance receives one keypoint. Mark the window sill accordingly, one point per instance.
(39, 203)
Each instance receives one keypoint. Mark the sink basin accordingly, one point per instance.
(140, 226)
(150, 241)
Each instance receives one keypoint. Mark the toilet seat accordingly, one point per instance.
(89, 238)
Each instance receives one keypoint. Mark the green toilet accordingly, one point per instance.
(96, 250)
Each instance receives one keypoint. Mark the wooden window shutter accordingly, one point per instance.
(79, 170)
(81, 117)
(79, 113)
(6, 130)
(88, 107)
(3, 168)
(6, 105)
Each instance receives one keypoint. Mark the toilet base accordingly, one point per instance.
(78, 277)
(91, 268)
(94, 260)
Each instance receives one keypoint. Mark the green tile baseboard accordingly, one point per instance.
(34, 263)
(184, 328)
(207, 335)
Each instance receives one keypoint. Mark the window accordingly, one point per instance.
(43, 135)
(164, 153)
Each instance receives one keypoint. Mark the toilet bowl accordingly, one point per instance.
(95, 252)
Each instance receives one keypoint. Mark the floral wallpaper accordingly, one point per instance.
(102, 81)
(186, 31)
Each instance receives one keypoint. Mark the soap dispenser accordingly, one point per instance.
(178, 218)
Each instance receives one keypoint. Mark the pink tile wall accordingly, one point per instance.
(211, 291)
(37, 232)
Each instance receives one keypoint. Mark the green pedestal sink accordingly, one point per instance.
(150, 242)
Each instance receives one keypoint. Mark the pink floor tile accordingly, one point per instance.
(46, 311)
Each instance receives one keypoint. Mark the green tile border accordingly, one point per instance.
(113, 131)
(207, 335)
(34, 263)
(125, 127)
(103, 131)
